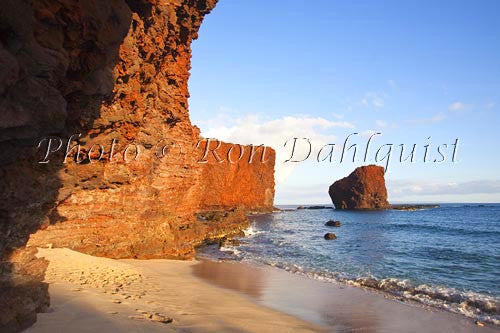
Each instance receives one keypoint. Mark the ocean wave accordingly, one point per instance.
(420, 258)
(470, 304)
(252, 231)
(230, 249)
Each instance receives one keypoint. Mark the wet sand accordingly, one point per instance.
(90, 294)
(338, 307)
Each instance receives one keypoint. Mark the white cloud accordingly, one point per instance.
(400, 191)
(490, 105)
(438, 117)
(434, 119)
(397, 188)
(373, 99)
(302, 195)
(381, 123)
(457, 106)
(368, 133)
(275, 132)
(225, 109)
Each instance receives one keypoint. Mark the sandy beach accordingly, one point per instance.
(91, 294)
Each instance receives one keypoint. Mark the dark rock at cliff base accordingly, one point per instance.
(364, 188)
(332, 223)
(226, 241)
(330, 236)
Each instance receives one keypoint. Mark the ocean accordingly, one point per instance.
(446, 257)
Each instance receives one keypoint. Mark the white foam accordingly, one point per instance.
(232, 249)
(470, 304)
(252, 231)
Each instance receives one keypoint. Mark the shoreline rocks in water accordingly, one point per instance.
(330, 236)
(319, 207)
(364, 188)
(413, 207)
(227, 241)
(333, 223)
(314, 207)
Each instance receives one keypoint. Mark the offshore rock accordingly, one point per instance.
(333, 223)
(364, 188)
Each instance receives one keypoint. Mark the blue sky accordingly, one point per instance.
(267, 71)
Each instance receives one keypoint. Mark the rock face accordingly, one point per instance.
(114, 75)
(364, 188)
(249, 183)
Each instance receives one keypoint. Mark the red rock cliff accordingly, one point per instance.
(237, 175)
(115, 72)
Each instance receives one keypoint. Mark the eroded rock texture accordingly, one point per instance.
(116, 72)
(237, 175)
(364, 188)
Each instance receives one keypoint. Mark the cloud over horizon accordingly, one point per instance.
(408, 187)
(275, 132)
(398, 191)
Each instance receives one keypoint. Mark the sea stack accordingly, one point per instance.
(364, 188)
